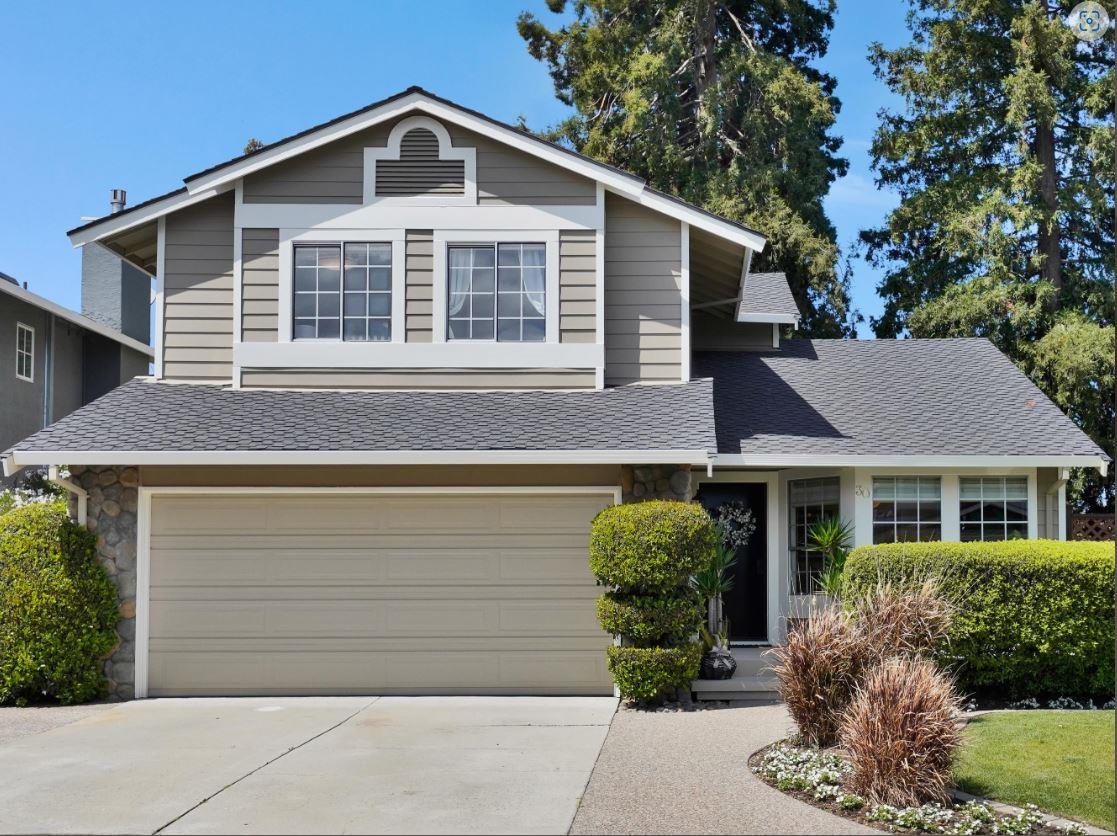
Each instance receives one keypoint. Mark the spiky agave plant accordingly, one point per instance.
(833, 538)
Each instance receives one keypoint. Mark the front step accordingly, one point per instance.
(751, 683)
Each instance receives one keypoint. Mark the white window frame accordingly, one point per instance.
(446, 151)
(21, 329)
(341, 245)
(1028, 522)
(445, 238)
(918, 523)
(790, 551)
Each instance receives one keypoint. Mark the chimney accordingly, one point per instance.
(113, 292)
(117, 199)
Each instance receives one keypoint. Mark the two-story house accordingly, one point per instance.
(404, 357)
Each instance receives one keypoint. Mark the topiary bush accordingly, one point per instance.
(646, 553)
(1031, 618)
(642, 673)
(57, 608)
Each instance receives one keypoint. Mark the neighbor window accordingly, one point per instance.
(353, 304)
(994, 507)
(25, 352)
(809, 501)
(497, 292)
(907, 509)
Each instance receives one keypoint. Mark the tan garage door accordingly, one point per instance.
(342, 593)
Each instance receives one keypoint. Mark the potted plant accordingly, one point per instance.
(833, 538)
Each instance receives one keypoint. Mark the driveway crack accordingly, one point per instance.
(284, 754)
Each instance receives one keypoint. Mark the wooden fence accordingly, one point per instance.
(1098, 527)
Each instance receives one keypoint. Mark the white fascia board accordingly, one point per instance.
(26, 458)
(308, 354)
(78, 319)
(624, 183)
(779, 319)
(739, 460)
(113, 224)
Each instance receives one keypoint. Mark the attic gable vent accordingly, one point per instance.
(420, 162)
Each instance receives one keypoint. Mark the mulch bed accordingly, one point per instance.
(859, 816)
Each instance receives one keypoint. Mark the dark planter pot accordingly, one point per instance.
(718, 664)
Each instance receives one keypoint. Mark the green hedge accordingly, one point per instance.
(1034, 617)
(651, 547)
(57, 608)
(650, 619)
(644, 673)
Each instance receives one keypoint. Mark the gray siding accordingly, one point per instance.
(419, 378)
(333, 174)
(643, 294)
(577, 286)
(21, 403)
(419, 171)
(710, 333)
(259, 307)
(67, 352)
(419, 286)
(198, 292)
(133, 364)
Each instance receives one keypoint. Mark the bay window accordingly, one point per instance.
(809, 501)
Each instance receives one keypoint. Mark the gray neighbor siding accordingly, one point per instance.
(21, 406)
(643, 294)
(198, 292)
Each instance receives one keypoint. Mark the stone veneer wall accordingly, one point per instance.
(113, 500)
(656, 481)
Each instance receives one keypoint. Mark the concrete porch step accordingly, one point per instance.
(748, 688)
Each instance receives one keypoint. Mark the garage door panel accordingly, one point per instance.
(374, 593)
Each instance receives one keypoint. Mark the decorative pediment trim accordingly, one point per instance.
(393, 151)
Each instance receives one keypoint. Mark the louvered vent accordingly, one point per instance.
(419, 171)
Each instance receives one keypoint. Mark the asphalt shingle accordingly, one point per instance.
(883, 397)
(767, 293)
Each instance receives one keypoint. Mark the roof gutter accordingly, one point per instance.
(786, 461)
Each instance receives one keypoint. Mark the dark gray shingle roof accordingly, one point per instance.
(767, 293)
(883, 397)
(143, 415)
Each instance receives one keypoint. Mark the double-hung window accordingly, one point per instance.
(907, 509)
(343, 291)
(25, 352)
(994, 507)
(809, 501)
(497, 292)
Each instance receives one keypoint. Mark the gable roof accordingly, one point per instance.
(13, 288)
(211, 181)
(766, 297)
(145, 421)
(868, 399)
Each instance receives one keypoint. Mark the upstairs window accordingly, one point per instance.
(362, 312)
(907, 509)
(497, 292)
(25, 352)
(994, 507)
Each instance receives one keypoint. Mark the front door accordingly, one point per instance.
(746, 605)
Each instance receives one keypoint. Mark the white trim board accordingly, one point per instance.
(740, 460)
(350, 216)
(143, 535)
(456, 354)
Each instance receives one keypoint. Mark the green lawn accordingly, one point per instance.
(1061, 761)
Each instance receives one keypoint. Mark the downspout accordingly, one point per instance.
(70, 487)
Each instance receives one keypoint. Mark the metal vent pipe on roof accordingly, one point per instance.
(117, 199)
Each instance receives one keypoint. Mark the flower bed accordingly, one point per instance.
(818, 777)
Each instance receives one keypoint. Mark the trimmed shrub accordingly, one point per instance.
(1031, 617)
(644, 673)
(818, 668)
(651, 547)
(900, 733)
(649, 619)
(57, 608)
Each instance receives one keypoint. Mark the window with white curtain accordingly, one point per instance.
(497, 292)
(994, 507)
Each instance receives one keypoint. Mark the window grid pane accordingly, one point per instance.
(317, 299)
(368, 292)
(25, 351)
(907, 509)
(994, 507)
(810, 500)
(497, 292)
(472, 296)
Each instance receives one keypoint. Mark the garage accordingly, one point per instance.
(369, 591)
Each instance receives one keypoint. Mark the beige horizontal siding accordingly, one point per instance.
(577, 286)
(419, 281)
(643, 294)
(419, 378)
(260, 285)
(198, 292)
(711, 333)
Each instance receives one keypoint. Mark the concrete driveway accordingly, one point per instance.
(308, 765)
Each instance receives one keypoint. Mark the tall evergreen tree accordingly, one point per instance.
(715, 101)
(1003, 156)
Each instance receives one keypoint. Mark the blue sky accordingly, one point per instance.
(137, 95)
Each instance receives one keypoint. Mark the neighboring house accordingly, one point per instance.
(404, 357)
(54, 360)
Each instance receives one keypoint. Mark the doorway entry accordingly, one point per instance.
(746, 604)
